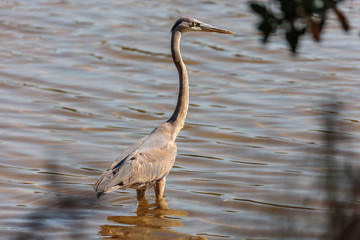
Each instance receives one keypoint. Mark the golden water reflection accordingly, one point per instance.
(152, 221)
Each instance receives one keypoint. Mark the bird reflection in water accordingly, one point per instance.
(152, 221)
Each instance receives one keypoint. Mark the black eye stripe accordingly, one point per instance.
(176, 24)
(190, 22)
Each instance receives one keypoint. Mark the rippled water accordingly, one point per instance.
(81, 80)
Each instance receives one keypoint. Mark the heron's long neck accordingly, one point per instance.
(179, 115)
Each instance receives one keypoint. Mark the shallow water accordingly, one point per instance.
(81, 80)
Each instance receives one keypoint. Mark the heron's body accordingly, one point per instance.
(148, 161)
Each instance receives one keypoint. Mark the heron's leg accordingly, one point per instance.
(159, 188)
(140, 193)
(161, 204)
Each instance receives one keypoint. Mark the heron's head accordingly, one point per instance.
(186, 24)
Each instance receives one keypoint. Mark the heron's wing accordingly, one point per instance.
(124, 155)
(146, 161)
(147, 164)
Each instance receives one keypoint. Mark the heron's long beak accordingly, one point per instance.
(209, 28)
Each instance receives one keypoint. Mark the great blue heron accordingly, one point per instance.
(148, 161)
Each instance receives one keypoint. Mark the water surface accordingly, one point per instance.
(80, 81)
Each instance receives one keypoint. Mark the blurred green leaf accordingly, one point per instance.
(291, 15)
(268, 22)
(292, 37)
(259, 9)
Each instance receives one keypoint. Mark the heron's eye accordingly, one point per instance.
(197, 24)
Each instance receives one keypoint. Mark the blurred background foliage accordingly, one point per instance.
(296, 18)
